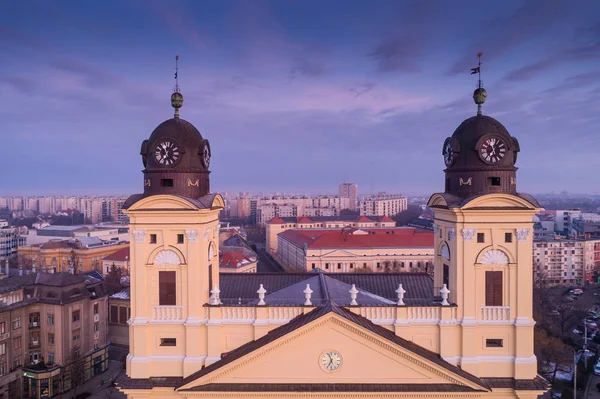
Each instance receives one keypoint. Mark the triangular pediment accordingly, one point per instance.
(299, 357)
(337, 253)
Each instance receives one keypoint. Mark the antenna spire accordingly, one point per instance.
(479, 95)
(176, 97)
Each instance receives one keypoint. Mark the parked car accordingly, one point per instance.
(578, 331)
(597, 369)
(554, 312)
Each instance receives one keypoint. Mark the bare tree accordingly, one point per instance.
(551, 352)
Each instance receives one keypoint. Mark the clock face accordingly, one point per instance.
(167, 153)
(331, 360)
(492, 150)
(205, 154)
(449, 154)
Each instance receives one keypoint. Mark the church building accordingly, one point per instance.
(465, 333)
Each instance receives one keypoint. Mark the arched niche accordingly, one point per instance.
(445, 251)
(167, 257)
(211, 250)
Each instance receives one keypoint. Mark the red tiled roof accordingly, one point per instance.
(233, 259)
(276, 220)
(121, 255)
(363, 219)
(393, 237)
(385, 219)
(304, 219)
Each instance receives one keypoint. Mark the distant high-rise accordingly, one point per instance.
(350, 190)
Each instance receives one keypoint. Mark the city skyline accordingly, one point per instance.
(297, 100)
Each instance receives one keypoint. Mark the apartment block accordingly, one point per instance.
(566, 261)
(49, 324)
(383, 205)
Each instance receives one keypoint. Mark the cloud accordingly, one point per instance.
(402, 48)
(499, 36)
(307, 68)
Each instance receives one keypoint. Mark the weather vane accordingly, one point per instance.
(479, 95)
(176, 77)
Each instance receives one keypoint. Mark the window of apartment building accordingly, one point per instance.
(2, 327)
(493, 288)
(494, 343)
(480, 237)
(96, 308)
(507, 237)
(313, 265)
(573, 252)
(123, 314)
(51, 357)
(97, 326)
(168, 342)
(16, 323)
(3, 368)
(179, 238)
(152, 238)
(16, 343)
(50, 319)
(76, 335)
(17, 361)
(114, 314)
(167, 288)
(3, 348)
(76, 316)
(50, 339)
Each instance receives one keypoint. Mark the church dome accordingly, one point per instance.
(473, 137)
(186, 143)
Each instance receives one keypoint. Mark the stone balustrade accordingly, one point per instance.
(167, 313)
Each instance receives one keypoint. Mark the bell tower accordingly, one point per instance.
(483, 248)
(174, 227)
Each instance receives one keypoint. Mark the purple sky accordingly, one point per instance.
(295, 95)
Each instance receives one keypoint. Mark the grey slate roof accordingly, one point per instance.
(286, 288)
(203, 202)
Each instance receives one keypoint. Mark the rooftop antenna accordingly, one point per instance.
(176, 97)
(479, 95)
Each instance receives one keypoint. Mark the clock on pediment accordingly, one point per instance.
(330, 360)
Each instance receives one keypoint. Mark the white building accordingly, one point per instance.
(383, 205)
(566, 261)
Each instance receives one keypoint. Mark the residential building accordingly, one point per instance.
(350, 191)
(119, 259)
(11, 239)
(278, 225)
(383, 205)
(543, 227)
(82, 254)
(586, 225)
(468, 331)
(567, 261)
(119, 312)
(49, 324)
(563, 219)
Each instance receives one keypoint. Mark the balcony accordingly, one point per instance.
(167, 313)
(5, 336)
(495, 313)
(96, 318)
(34, 324)
(34, 344)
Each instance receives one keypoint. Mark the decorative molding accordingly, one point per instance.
(139, 235)
(451, 233)
(467, 182)
(207, 234)
(488, 359)
(191, 235)
(167, 257)
(468, 234)
(526, 360)
(494, 257)
(522, 234)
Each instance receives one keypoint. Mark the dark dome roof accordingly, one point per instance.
(469, 133)
(185, 135)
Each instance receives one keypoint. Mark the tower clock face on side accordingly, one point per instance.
(331, 360)
(448, 152)
(205, 154)
(167, 152)
(492, 150)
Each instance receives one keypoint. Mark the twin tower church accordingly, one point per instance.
(467, 332)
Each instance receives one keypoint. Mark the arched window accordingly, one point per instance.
(445, 251)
